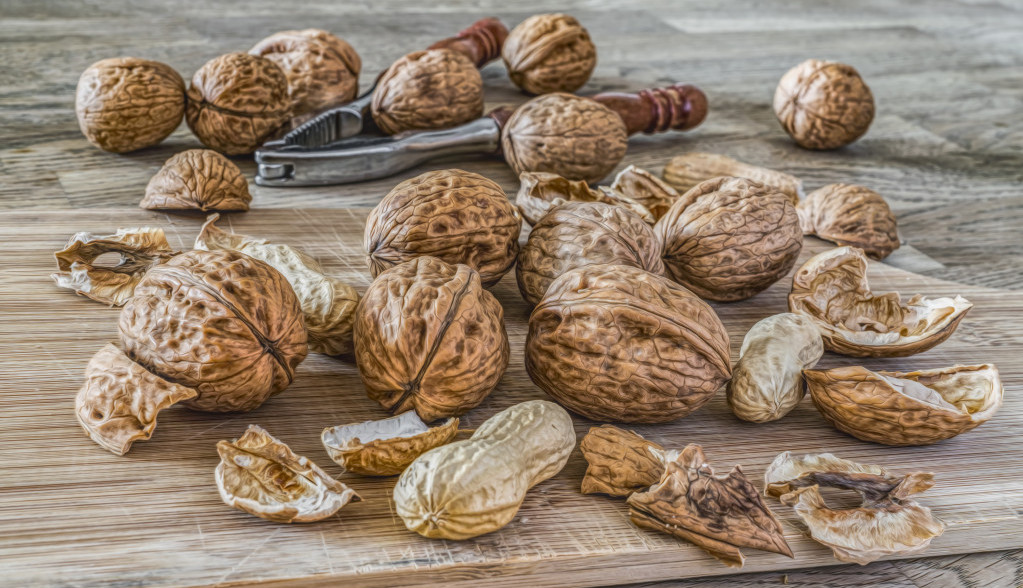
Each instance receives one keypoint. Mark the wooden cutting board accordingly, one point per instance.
(72, 513)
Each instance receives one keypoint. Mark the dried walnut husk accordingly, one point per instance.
(539, 192)
(648, 190)
(549, 53)
(687, 170)
(823, 104)
(385, 447)
(831, 288)
(850, 215)
(198, 179)
(262, 476)
(620, 462)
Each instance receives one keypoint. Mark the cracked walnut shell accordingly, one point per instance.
(549, 53)
(647, 189)
(620, 462)
(850, 215)
(198, 179)
(823, 104)
(689, 169)
(385, 447)
(539, 192)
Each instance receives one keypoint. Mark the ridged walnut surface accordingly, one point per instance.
(823, 104)
(549, 53)
(689, 169)
(619, 462)
(198, 179)
(539, 192)
(847, 214)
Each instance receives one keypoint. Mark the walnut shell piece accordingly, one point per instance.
(198, 179)
(832, 289)
(125, 103)
(620, 462)
(221, 322)
(645, 188)
(730, 238)
(823, 104)
(453, 215)
(539, 192)
(429, 338)
(385, 447)
(689, 169)
(617, 343)
(850, 215)
(549, 53)
(262, 476)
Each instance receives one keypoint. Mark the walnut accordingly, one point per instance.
(549, 53)
(850, 215)
(617, 343)
(236, 101)
(221, 322)
(385, 447)
(689, 169)
(577, 234)
(198, 179)
(573, 137)
(539, 192)
(322, 70)
(454, 215)
(124, 104)
(730, 238)
(823, 104)
(645, 188)
(429, 338)
(434, 89)
(620, 462)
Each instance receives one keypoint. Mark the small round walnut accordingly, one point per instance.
(823, 104)
(549, 53)
(236, 101)
(574, 137)
(124, 104)
(221, 322)
(454, 215)
(434, 89)
(198, 179)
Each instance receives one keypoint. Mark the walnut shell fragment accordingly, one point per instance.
(832, 289)
(850, 215)
(385, 447)
(539, 192)
(118, 403)
(685, 171)
(645, 188)
(198, 179)
(911, 408)
(823, 104)
(139, 250)
(549, 53)
(262, 476)
(621, 462)
(719, 514)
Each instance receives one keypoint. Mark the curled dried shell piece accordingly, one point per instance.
(198, 179)
(850, 215)
(385, 447)
(831, 288)
(262, 476)
(789, 467)
(645, 188)
(687, 170)
(620, 462)
(911, 408)
(539, 192)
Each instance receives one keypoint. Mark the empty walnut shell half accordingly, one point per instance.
(850, 215)
(832, 289)
(539, 192)
(685, 171)
(262, 476)
(823, 104)
(906, 408)
(621, 462)
(549, 53)
(385, 447)
(198, 179)
(647, 189)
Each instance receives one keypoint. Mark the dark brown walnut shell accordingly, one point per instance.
(823, 104)
(549, 53)
(434, 89)
(577, 234)
(850, 215)
(221, 322)
(617, 343)
(647, 189)
(236, 101)
(198, 179)
(539, 192)
(730, 238)
(453, 215)
(620, 462)
(124, 104)
(577, 138)
(322, 70)
(429, 338)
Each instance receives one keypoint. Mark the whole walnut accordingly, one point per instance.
(850, 215)
(574, 137)
(221, 322)
(125, 103)
(454, 215)
(197, 179)
(549, 53)
(618, 343)
(730, 238)
(429, 338)
(236, 101)
(322, 70)
(823, 104)
(577, 234)
(424, 90)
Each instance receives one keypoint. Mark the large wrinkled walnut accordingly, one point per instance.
(221, 322)
(832, 289)
(687, 170)
(647, 189)
(453, 215)
(850, 215)
(124, 104)
(729, 238)
(911, 408)
(549, 53)
(573, 137)
(717, 513)
(198, 179)
(539, 192)
(385, 447)
(236, 101)
(433, 89)
(429, 338)
(577, 234)
(621, 462)
(262, 476)
(823, 104)
(322, 70)
(617, 343)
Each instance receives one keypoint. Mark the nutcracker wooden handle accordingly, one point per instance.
(481, 42)
(678, 107)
